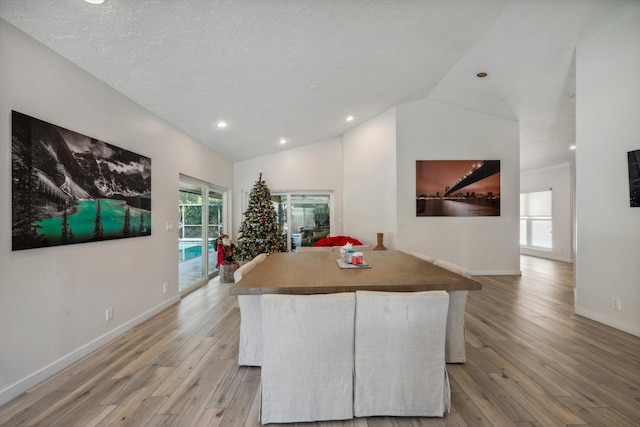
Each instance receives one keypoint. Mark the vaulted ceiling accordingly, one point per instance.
(296, 69)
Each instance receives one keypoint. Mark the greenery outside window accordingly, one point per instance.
(201, 214)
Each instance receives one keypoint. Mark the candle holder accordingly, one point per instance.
(380, 245)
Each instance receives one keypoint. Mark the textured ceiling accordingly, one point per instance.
(254, 63)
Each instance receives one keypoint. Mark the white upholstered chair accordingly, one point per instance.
(250, 342)
(400, 367)
(424, 257)
(453, 267)
(242, 270)
(454, 346)
(455, 343)
(259, 258)
(307, 357)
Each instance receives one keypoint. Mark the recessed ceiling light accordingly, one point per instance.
(349, 118)
(222, 124)
(482, 74)
(95, 1)
(572, 147)
(313, 88)
(283, 141)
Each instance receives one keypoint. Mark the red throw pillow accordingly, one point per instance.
(337, 241)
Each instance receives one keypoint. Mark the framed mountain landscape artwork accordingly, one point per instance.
(70, 188)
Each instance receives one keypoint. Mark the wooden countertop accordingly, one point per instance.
(318, 273)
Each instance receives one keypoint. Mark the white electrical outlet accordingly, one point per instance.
(109, 313)
(165, 288)
(615, 303)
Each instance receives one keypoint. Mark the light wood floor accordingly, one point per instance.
(531, 362)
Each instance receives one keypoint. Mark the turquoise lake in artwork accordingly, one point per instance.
(68, 188)
(82, 222)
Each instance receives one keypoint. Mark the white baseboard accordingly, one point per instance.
(496, 273)
(37, 377)
(545, 254)
(624, 327)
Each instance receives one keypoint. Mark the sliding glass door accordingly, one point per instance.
(202, 212)
(215, 227)
(304, 217)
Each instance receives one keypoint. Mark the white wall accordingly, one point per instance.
(375, 165)
(428, 130)
(560, 179)
(370, 180)
(53, 300)
(316, 167)
(607, 127)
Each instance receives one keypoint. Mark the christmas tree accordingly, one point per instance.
(259, 231)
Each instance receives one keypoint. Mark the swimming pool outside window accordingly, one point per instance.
(201, 210)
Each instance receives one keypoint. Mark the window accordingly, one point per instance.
(305, 217)
(535, 220)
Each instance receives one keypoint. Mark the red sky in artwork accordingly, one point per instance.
(434, 176)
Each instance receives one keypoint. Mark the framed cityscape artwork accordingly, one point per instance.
(70, 188)
(458, 188)
(633, 159)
